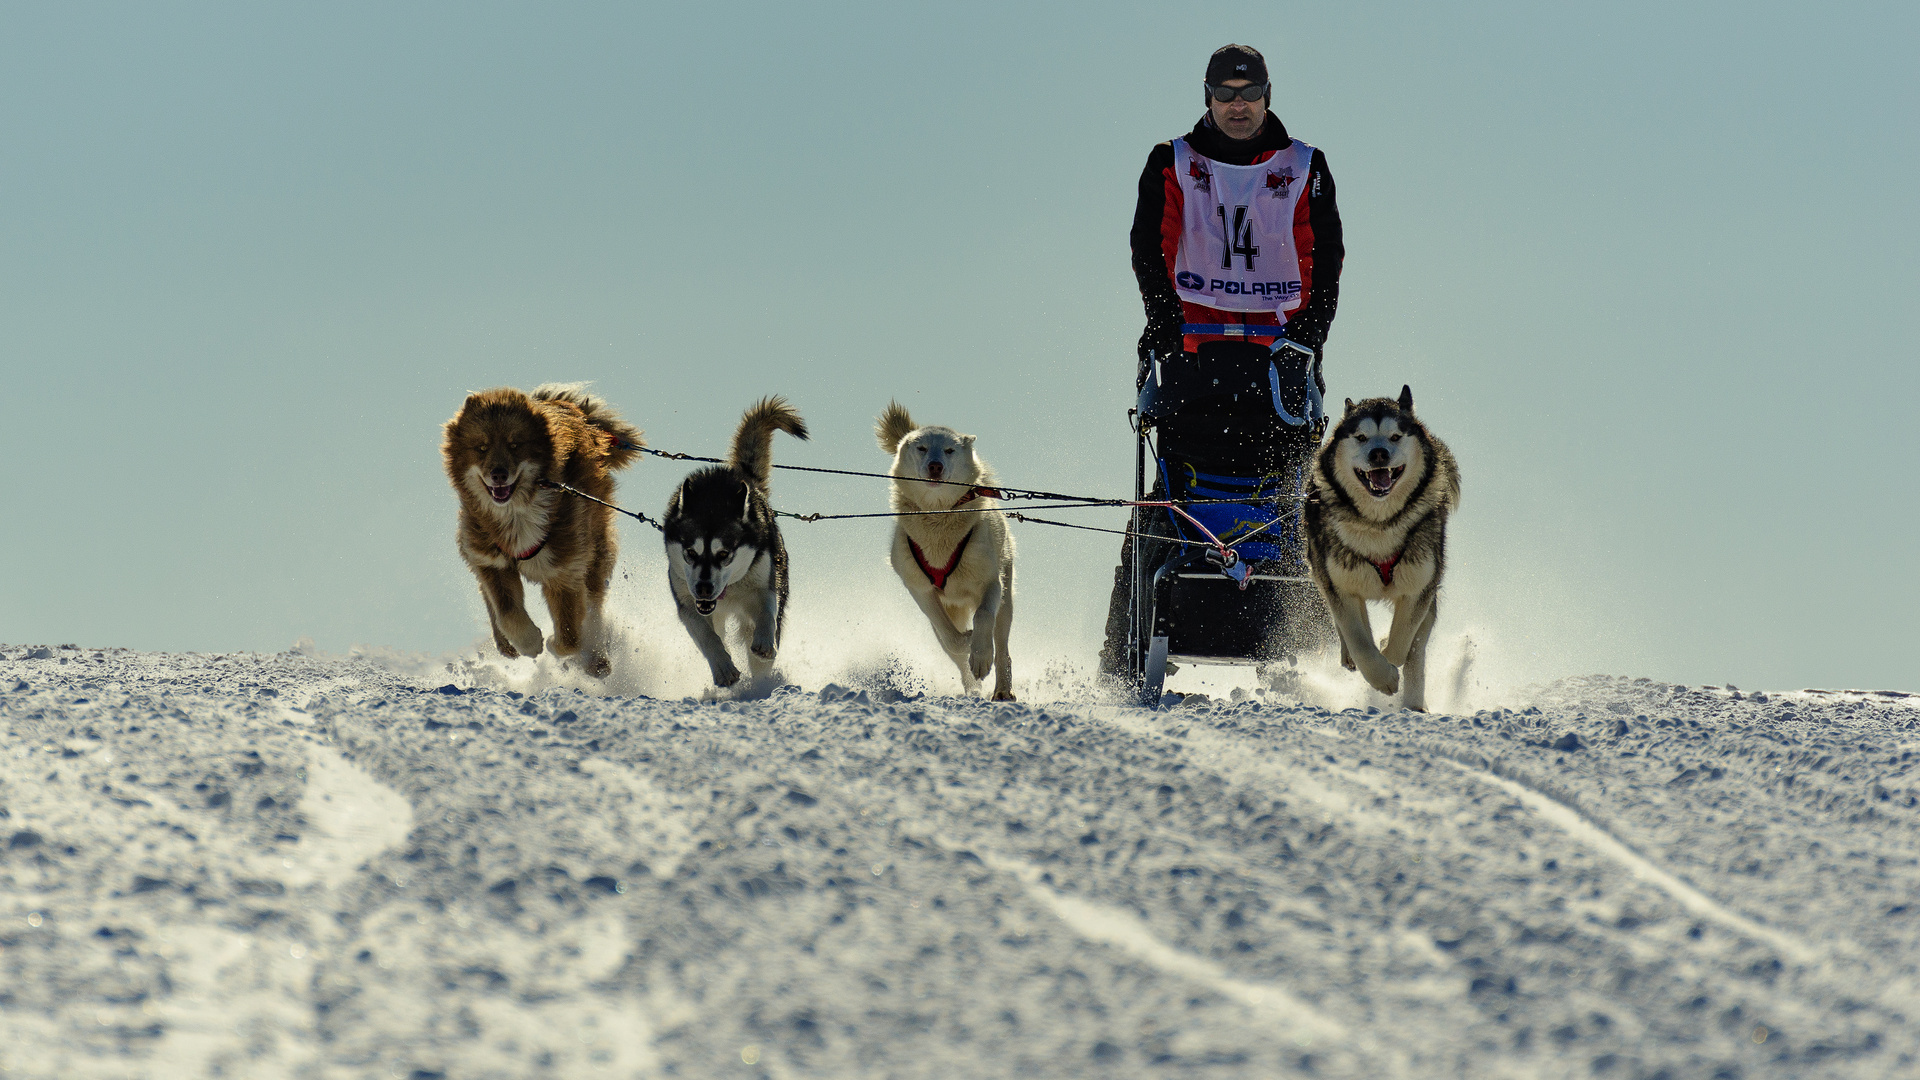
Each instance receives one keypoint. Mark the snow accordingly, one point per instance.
(298, 865)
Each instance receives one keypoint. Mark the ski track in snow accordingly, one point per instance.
(1700, 904)
(299, 866)
(1130, 934)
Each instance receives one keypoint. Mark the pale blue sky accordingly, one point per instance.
(1649, 268)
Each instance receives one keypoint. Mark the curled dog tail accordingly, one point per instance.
(752, 451)
(622, 440)
(893, 426)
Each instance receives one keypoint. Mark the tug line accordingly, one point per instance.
(1224, 549)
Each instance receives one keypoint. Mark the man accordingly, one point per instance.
(1237, 248)
(1272, 273)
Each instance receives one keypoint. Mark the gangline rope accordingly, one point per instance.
(998, 491)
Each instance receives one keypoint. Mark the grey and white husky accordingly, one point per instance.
(1375, 522)
(957, 567)
(727, 562)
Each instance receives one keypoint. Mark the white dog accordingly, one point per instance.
(958, 567)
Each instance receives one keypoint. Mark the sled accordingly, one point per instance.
(1217, 433)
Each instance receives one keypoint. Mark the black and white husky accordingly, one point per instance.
(957, 567)
(726, 560)
(1376, 529)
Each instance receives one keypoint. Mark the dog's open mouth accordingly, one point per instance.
(1380, 481)
(705, 607)
(502, 494)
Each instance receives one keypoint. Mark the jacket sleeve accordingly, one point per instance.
(1309, 324)
(1149, 241)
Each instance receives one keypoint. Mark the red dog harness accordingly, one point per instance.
(529, 553)
(1385, 569)
(939, 577)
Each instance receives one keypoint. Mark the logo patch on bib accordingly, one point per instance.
(1202, 179)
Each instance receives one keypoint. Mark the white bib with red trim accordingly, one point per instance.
(1236, 230)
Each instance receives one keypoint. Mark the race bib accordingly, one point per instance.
(1236, 235)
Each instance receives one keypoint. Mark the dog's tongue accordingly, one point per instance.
(500, 494)
(1379, 479)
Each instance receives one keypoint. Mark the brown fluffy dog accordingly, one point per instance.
(499, 450)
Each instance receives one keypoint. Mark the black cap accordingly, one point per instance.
(1236, 62)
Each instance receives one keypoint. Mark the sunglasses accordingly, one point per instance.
(1244, 93)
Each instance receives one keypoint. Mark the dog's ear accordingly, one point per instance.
(472, 403)
(966, 441)
(1349, 405)
(452, 425)
(1406, 399)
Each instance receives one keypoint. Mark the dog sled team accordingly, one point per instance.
(1257, 532)
(1373, 521)
(511, 456)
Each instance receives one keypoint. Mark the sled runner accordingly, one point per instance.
(1228, 435)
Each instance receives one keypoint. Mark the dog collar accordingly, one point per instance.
(1385, 568)
(529, 553)
(939, 577)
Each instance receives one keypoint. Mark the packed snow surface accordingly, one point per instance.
(301, 866)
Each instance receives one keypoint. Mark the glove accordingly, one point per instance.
(1296, 384)
(1154, 343)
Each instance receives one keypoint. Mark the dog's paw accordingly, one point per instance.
(599, 667)
(1003, 695)
(764, 650)
(1385, 679)
(517, 641)
(958, 643)
(1347, 661)
(980, 662)
(725, 674)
